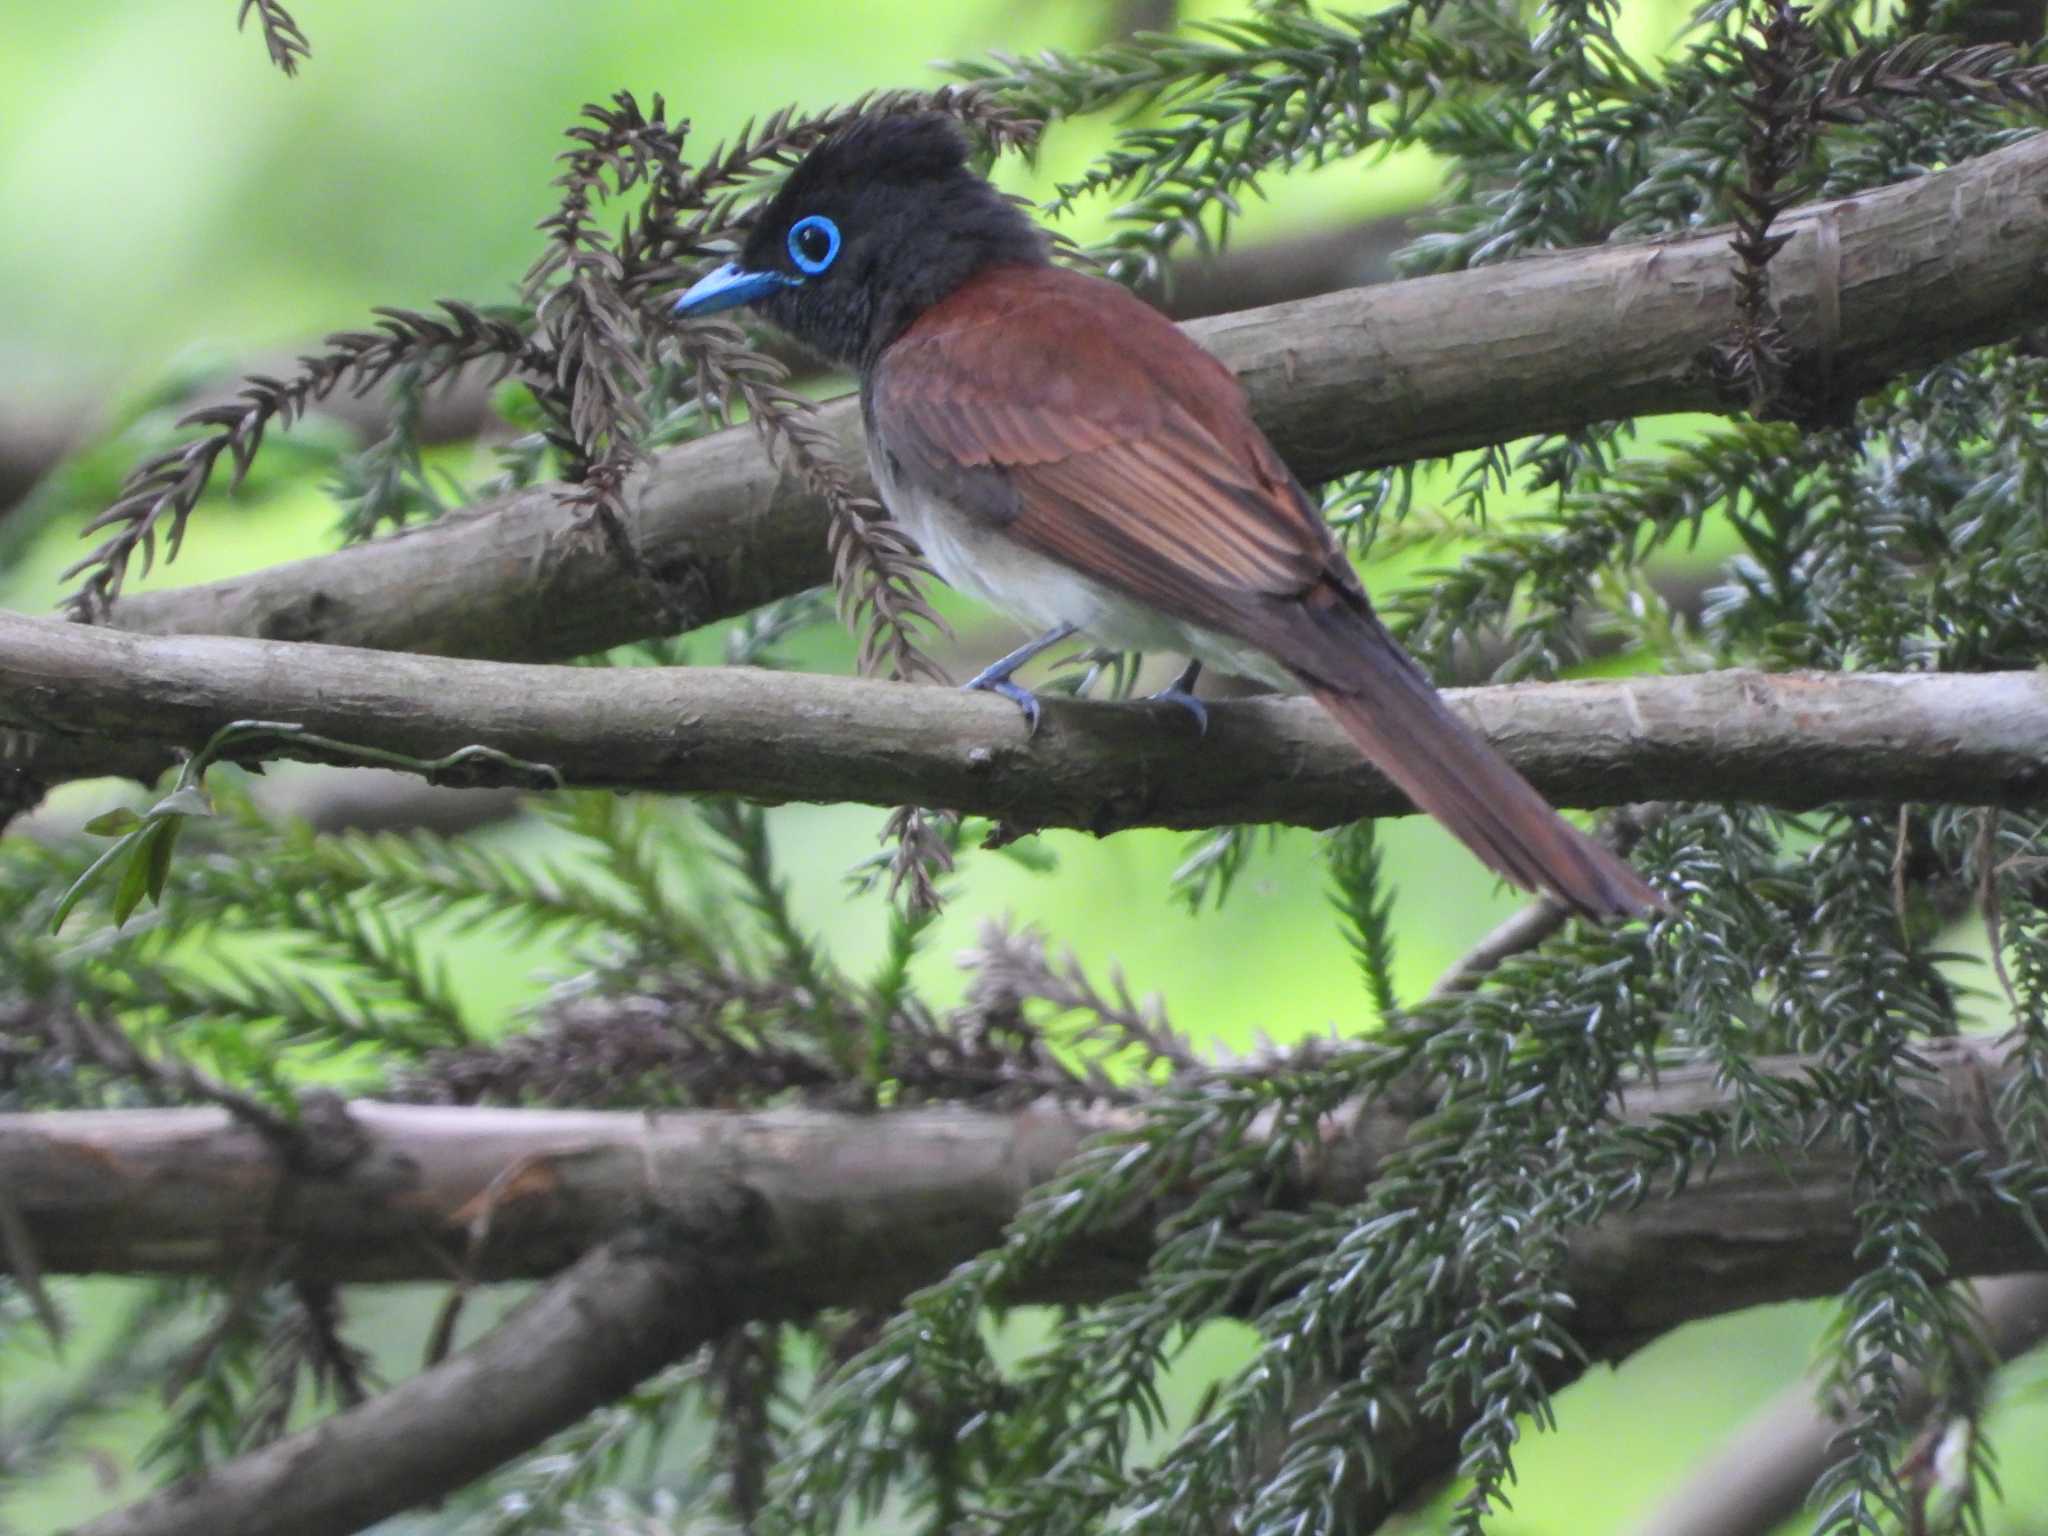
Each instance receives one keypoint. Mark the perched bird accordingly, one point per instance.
(1060, 450)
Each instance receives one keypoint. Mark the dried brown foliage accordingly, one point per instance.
(281, 34)
(1778, 133)
(591, 347)
(730, 1039)
(1790, 100)
(1928, 68)
(160, 493)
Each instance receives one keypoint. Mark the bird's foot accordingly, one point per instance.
(1181, 691)
(996, 677)
(1025, 700)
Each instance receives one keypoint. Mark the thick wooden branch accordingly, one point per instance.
(1869, 286)
(855, 1209)
(777, 1214)
(861, 1207)
(1790, 740)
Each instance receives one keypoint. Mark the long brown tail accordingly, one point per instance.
(1410, 735)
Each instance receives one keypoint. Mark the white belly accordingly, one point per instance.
(979, 559)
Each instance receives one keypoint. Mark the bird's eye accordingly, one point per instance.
(813, 242)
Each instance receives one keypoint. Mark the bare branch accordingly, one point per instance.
(381, 800)
(867, 1206)
(864, 1207)
(1792, 740)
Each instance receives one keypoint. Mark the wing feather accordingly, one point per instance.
(1124, 448)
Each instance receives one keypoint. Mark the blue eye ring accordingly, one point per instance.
(803, 244)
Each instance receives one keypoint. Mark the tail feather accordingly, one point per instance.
(1407, 731)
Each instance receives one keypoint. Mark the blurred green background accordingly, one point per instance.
(172, 203)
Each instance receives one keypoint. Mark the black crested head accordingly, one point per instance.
(878, 223)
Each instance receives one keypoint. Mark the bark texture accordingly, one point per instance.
(1792, 740)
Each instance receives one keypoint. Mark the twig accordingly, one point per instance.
(160, 493)
(1515, 935)
(108, 1047)
(18, 1250)
(1541, 918)
(1010, 969)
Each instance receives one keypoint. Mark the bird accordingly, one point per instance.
(1062, 451)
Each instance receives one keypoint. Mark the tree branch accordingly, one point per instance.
(614, 1319)
(1792, 740)
(1915, 273)
(778, 1214)
(860, 1208)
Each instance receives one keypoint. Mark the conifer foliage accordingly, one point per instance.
(1406, 1338)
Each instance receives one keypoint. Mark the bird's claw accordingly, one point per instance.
(996, 677)
(1025, 700)
(1173, 693)
(1181, 691)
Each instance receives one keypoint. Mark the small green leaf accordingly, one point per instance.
(134, 882)
(186, 800)
(113, 823)
(83, 883)
(155, 852)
